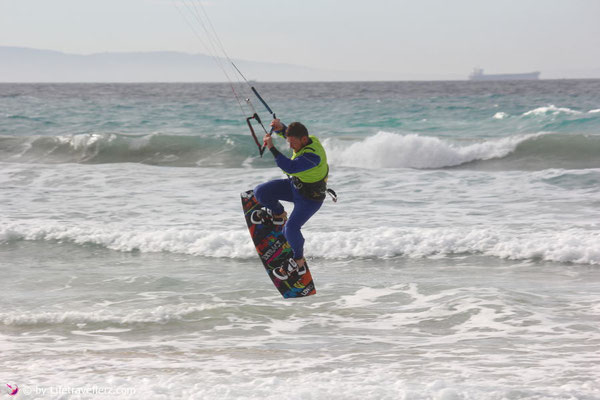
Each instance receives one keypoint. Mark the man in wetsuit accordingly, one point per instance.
(306, 187)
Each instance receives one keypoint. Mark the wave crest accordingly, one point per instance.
(575, 245)
(382, 150)
(551, 109)
(529, 152)
(152, 149)
(390, 150)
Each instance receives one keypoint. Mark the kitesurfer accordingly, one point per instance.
(306, 187)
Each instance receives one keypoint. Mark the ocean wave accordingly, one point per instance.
(551, 109)
(574, 245)
(548, 118)
(551, 150)
(152, 149)
(529, 152)
(159, 315)
(382, 150)
(231, 244)
(391, 150)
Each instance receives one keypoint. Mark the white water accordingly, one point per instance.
(512, 215)
(431, 284)
(390, 150)
(478, 280)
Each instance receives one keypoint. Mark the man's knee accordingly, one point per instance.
(291, 229)
(259, 193)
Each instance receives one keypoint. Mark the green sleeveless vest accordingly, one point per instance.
(319, 172)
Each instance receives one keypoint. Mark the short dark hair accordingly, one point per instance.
(296, 129)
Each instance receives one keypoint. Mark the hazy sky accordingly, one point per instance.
(433, 38)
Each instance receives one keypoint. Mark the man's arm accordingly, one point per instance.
(299, 164)
(289, 166)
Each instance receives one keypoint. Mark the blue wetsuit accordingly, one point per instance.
(270, 193)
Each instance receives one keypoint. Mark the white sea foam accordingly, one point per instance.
(159, 314)
(417, 298)
(391, 150)
(371, 343)
(551, 110)
(500, 115)
(224, 381)
(574, 245)
(234, 244)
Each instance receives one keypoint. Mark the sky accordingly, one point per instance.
(424, 39)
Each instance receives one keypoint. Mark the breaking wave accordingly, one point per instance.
(551, 109)
(382, 150)
(577, 246)
(153, 149)
(530, 152)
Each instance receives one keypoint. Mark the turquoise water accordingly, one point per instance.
(187, 124)
(461, 261)
(454, 109)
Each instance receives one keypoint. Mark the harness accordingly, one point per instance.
(312, 183)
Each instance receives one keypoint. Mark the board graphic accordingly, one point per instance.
(274, 251)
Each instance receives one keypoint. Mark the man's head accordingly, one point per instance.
(297, 136)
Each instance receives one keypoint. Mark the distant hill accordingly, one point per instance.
(19, 64)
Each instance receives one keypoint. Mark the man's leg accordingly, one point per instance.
(269, 194)
(303, 210)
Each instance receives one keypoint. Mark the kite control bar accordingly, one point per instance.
(261, 149)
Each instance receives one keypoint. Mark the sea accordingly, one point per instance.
(461, 261)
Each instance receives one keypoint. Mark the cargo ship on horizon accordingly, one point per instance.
(478, 75)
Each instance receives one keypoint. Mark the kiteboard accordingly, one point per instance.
(275, 251)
